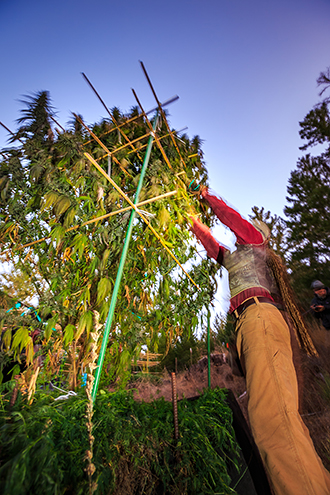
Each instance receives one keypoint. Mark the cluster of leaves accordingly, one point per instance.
(43, 446)
(49, 191)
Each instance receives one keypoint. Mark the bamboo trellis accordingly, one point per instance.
(103, 217)
(133, 206)
(153, 137)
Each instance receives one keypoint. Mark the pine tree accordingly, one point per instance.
(308, 211)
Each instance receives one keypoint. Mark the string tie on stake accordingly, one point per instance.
(67, 394)
(146, 213)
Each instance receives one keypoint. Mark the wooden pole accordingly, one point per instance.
(101, 144)
(162, 113)
(110, 115)
(150, 127)
(136, 117)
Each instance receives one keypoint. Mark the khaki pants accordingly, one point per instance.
(263, 344)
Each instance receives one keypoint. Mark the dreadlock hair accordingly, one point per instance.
(281, 277)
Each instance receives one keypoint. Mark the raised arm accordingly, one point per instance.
(203, 234)
(245, 232)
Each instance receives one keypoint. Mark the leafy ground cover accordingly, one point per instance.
(43, 446)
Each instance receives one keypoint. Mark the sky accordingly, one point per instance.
(245, 72)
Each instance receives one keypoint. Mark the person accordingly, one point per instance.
(321, 303)
(264, 348)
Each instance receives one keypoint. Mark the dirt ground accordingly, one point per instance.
(191, 382)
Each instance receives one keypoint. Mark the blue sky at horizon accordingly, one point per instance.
(245, 72)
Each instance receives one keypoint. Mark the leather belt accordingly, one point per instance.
(238, 311)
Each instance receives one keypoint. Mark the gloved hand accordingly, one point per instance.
(196, 189)
(193, 187)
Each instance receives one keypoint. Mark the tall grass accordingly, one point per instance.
(43, 446)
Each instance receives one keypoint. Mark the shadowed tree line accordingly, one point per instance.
(303, 238)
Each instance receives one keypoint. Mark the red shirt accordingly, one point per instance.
(245, 233)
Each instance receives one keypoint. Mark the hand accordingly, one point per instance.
(318, 308)
(197, 189)
(194, 188)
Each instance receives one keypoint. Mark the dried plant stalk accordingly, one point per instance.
(32, 385)
(91, 365)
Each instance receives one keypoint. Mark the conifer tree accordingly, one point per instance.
(308, 211)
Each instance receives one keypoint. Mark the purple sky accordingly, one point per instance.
(245, 72)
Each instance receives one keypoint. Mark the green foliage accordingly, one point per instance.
(181, 355)
(49, 191)
(43, 446)
(309, 223)
(224, 331)
(9, 366)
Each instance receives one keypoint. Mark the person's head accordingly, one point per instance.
(319, 289)
(262, 228)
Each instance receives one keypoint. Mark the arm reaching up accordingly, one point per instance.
(203, 234)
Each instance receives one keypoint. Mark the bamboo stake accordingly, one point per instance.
(162, 113)
(125, 146)
(131, 142)
(103, 217)
(3, 125)
(101, 144)
(140, 214)
(57, 123)
(110, 114)
(136, 117)
(141, 147)
(150, 127)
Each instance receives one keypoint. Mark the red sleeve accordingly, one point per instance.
(245, 232)
(203, 234)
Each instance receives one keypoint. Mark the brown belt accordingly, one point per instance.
(238, 311)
